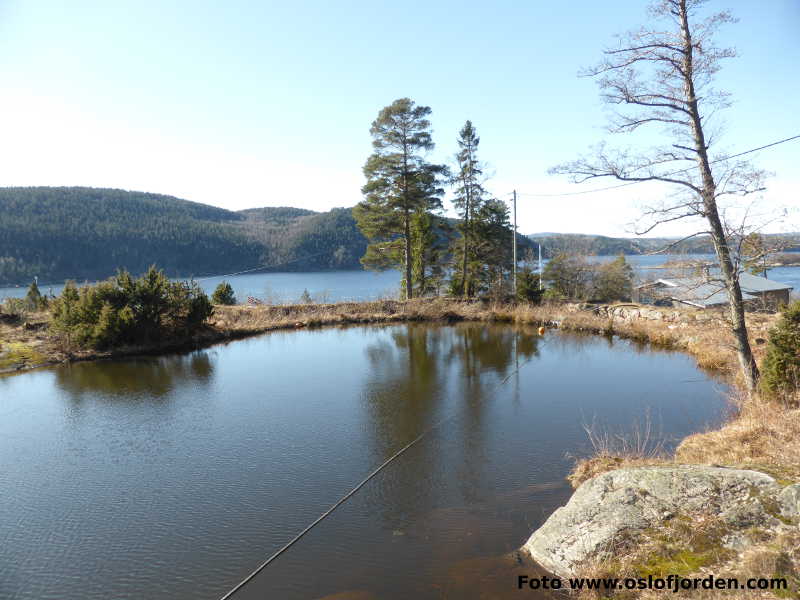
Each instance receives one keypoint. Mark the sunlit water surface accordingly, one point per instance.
(173, 477)
(336, 286)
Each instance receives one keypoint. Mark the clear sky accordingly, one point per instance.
(243, 104)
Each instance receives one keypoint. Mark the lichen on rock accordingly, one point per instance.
(613, 509)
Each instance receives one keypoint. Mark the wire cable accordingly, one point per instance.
(263, 267)
(621, 185)
(352, 492)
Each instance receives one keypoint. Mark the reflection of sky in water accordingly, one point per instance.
(172, 477)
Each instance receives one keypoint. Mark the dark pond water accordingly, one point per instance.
(173, 477)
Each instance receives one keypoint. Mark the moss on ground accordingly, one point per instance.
(18, 355)
(682, 546)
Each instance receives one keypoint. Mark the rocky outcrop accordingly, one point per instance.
(617, 506)
(630, 312)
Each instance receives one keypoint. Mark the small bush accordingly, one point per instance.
(528, 286)
(780, 371)
(15, 308)
(223, 294)
(124, 310)
(553, 295)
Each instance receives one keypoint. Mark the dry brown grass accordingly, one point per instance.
(265, 317)
(638, 448)
(763, 435)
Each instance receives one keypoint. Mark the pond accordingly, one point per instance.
(173, 477)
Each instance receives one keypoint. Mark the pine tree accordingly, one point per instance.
(429, 244)
(34, 298)
(528, 288)
(754, 253)
(781, 366)
(400, 184)
(223, 294)
(469, 197)
(492, 234)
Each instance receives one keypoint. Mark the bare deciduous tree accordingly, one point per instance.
(663, 76)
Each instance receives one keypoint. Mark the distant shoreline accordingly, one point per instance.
(767, 267)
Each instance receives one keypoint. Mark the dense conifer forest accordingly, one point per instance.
(87, 234)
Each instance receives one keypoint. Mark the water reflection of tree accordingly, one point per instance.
(480, 350)
(413, 374)
(405, 385)
(154, 377)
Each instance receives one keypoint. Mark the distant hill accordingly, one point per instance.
(87, 233)
(603, 245)
(296, 239)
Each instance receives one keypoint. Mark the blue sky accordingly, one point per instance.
(242, 104)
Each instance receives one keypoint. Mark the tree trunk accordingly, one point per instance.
(709, 189)
(407, 223)
(465, 280)
(407, 234)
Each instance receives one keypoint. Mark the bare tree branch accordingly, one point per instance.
(664, 77)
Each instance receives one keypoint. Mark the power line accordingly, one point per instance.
(258, 268)
(621, 185)
(288, 262)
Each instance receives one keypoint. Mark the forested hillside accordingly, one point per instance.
(303, 240)
(86, 233)
(552, 243)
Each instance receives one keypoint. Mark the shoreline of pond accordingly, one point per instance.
(29, 345)
(703, 335)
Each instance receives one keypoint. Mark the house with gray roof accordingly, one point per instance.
(709, 292)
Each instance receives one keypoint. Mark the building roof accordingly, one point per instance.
(701, 292)
(756, 283)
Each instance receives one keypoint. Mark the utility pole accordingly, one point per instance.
(514, 246)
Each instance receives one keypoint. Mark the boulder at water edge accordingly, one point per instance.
(617, 505)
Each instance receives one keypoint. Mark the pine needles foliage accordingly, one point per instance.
(780, 371)
(223, 294)
(126, 310)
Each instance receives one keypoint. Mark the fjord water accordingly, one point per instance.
(337, 286)
(173, 477)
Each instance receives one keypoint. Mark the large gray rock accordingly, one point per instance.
(619, 504)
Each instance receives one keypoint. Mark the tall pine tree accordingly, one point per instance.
(468, 200)
(401, 183)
